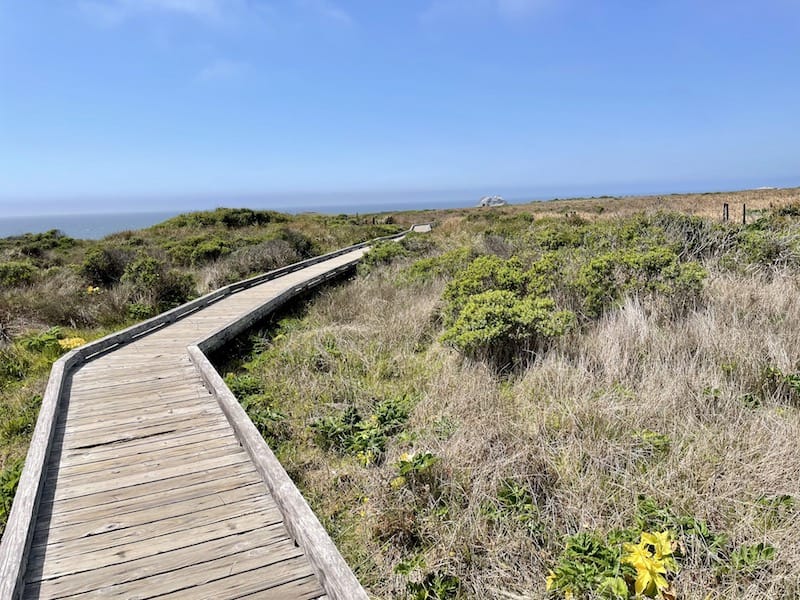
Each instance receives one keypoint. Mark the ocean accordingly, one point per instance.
(96, 226)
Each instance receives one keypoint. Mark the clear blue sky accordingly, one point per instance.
(137, 104)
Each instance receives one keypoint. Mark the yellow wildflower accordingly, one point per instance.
(71, 343)
(548, 584)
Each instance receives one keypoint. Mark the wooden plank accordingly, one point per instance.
(128, 415)
(148, 385)
(124, 435)
(176, 526)
(80, 407)
(143, 416)
(63, 492)
(155, 464)
(137, 448)
(150, 456)
(44, 568)
(138, 573)
(293, 579)
(105, 522)
(107, 505)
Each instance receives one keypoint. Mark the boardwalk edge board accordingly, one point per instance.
(16, 542)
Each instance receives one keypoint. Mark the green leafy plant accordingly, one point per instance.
(589, 565)
(750, 558)
(349, 433)
(434, 586)
(514, 503)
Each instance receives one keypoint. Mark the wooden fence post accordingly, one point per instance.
(744, 214)
(725, 212)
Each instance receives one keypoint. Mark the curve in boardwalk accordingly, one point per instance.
(145, 478)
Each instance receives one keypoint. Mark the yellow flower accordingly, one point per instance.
(650, 569)
(661, 542)
(548, 584)
(637, 554)
(71, 343)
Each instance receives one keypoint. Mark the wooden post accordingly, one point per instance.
(744, 214)
(725, 212)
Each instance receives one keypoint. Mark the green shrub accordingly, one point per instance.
(209, 250)
(447, 264)
(484, 274)
(105, 265)
(603, 280)
(157, 287)
(302, 244)
(16, 273)
(502, 328)
(382, 253)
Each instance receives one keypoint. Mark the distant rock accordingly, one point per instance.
(492, 201)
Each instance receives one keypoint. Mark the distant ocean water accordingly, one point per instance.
(96, 226)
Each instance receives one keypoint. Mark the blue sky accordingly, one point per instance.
(155, 104)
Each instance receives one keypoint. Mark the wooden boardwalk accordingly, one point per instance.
(149, 491)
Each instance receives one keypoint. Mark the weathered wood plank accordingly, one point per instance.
(137, 448)
(158, 527)
(110, 504)
(129, 578)
(293, 579)
(150, 456)
(103, 522)
(44, 568)
(64, 491)
(153, 465)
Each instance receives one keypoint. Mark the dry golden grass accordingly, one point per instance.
(704, 205)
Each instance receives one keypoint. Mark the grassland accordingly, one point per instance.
(448, 468)
(510, 399)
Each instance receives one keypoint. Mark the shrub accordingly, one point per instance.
(382, 253)
(447, 264)
(603, 280)
(105, 266)
(500, 327)
(209, 250)
(485, 273)
(156, 287)
(16, 273)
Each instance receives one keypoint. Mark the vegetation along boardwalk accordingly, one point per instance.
(145, 478)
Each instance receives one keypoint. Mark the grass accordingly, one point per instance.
(647, 416)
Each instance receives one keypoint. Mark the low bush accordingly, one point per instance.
(502, 328)
(16, 273)
(104, 266)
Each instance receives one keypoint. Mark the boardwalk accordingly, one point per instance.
(149, 491)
